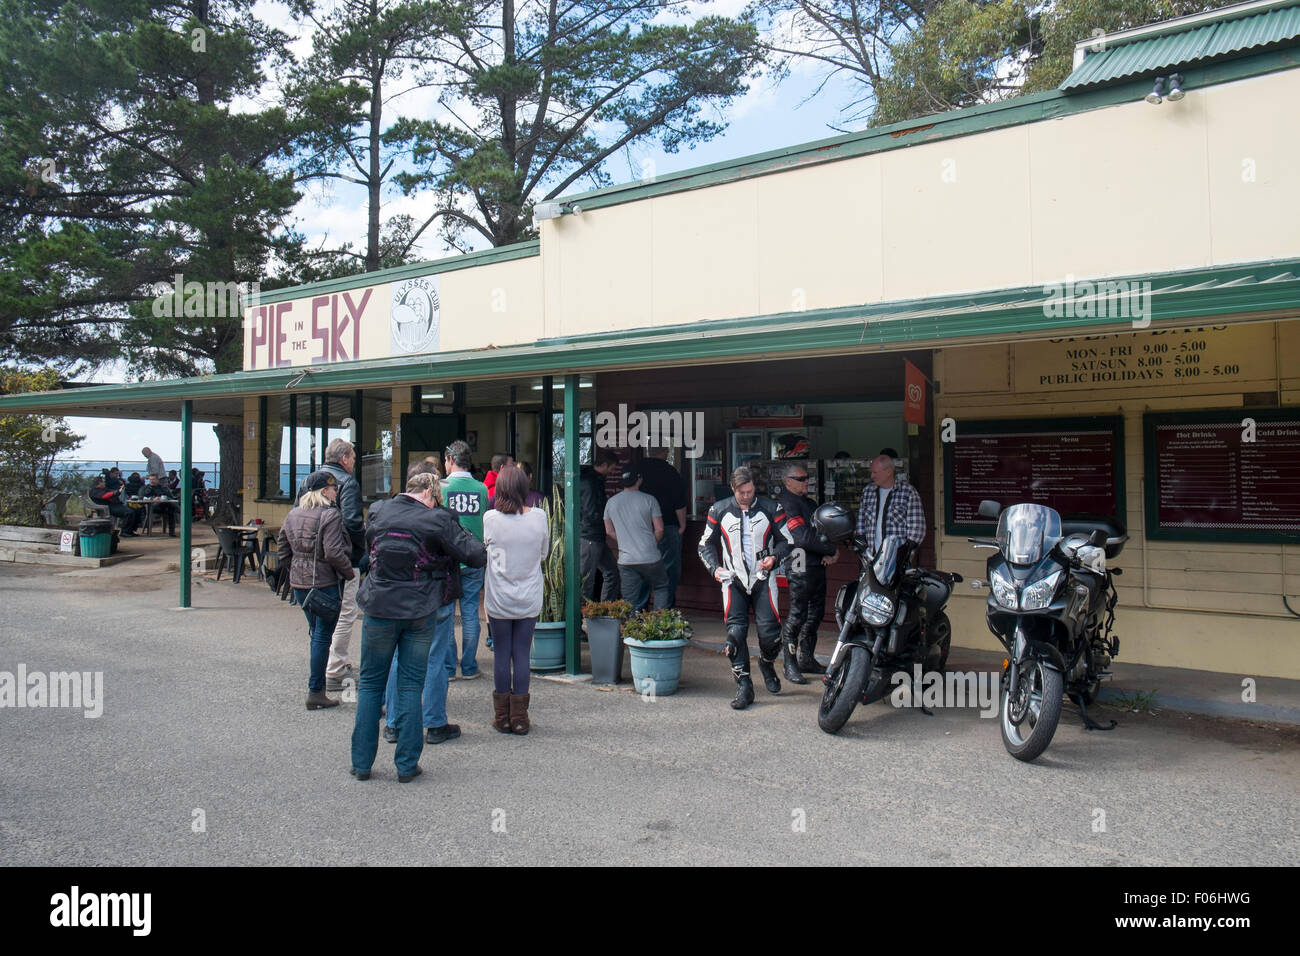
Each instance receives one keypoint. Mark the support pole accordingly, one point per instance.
(572, 555)
(187, 496)
(545, 437)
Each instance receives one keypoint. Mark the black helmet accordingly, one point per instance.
(834, 521)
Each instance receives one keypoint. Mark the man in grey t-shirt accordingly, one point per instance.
(634, 524)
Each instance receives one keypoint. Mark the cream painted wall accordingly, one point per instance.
(1171, 611)
(1128, 189)
(499, 304)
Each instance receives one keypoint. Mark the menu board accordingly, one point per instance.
(1074, 466)
(1223, 475)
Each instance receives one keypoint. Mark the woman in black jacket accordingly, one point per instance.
(312, 545)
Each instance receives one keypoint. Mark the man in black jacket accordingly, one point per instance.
(340, 461)
(415, 549)
(591, 520)
(806, 572)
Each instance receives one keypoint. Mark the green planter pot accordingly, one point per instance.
(656, 665)
(606, 650)
(547, 653)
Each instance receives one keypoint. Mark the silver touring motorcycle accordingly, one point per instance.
(1052, 605)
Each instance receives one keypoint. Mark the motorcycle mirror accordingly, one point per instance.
(976, 584)
(1097, 538)
(989, 509)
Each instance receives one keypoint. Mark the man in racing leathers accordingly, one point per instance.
(806, 572)
(744, 538)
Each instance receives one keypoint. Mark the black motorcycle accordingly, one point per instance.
(890, 619)
(1052, 606)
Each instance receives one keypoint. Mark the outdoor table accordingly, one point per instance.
(148, 505)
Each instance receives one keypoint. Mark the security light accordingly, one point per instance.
(1156, 96)
(1175, 88)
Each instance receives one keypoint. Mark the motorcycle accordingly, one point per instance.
(891, 618)
(1051, 604)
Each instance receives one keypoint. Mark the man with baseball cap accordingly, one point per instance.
(634, 525)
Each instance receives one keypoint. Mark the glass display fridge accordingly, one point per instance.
(707, 475)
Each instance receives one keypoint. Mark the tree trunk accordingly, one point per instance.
(230, 439)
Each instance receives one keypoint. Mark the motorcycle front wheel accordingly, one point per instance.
(1029, 721)
(844, 689)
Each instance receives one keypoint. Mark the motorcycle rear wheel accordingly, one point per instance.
(1045, 688)
(844, 689)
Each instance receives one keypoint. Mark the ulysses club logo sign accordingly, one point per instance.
(415, 317)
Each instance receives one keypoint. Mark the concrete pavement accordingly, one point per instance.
(204, 722)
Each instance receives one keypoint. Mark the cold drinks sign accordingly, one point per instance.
(396, 318)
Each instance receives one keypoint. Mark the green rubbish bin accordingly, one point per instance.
(96, 536)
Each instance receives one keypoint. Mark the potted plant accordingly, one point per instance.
(603, 619)
(656, 639)
(547, 652)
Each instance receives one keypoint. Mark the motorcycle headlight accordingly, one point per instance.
(878, 609)
(1004, 590)
(1039, 594)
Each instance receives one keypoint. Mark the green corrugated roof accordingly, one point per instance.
(1126, 59)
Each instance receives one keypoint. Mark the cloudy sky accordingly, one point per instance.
(766, 117)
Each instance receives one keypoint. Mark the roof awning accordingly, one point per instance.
(1255, 292)
(1116, 58)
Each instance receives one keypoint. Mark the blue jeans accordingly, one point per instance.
(471, 587)
(319, 631)
(380, 639)
(434, 694)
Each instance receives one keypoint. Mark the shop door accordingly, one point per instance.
(426, 435)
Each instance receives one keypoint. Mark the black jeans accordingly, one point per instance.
(736, 605)
(807, 608)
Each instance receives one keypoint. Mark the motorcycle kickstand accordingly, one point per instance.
(915, 696)
(1089, 723)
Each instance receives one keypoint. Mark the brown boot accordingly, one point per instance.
(501, 708)
(519, 713)
(316, 700)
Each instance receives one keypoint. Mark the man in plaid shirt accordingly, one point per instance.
(890, 507)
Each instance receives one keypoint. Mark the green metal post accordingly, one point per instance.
(187, 496)
(572, 556)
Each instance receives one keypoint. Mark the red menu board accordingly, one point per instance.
(1069, 468)
(1241, 475)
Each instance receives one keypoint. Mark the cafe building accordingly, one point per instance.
(1088, 297)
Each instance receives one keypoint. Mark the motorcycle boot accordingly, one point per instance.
(807, 660)
(791, 667)
(744, 693)
(770, 680)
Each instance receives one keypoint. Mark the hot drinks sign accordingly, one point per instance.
(397, 318)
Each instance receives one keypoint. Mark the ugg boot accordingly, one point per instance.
(501, 712)
(519, 713)
(316, 700)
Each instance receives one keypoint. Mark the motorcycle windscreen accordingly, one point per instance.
(1027, 532)
(886, 563)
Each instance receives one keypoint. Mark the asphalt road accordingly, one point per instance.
(203, 710)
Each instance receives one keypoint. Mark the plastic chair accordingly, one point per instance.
(237, 550)
(54, 509)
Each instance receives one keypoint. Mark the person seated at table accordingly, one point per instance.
(113, 480)
(167, 508)
(100, 495)
(133, 485)
(173, 482)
